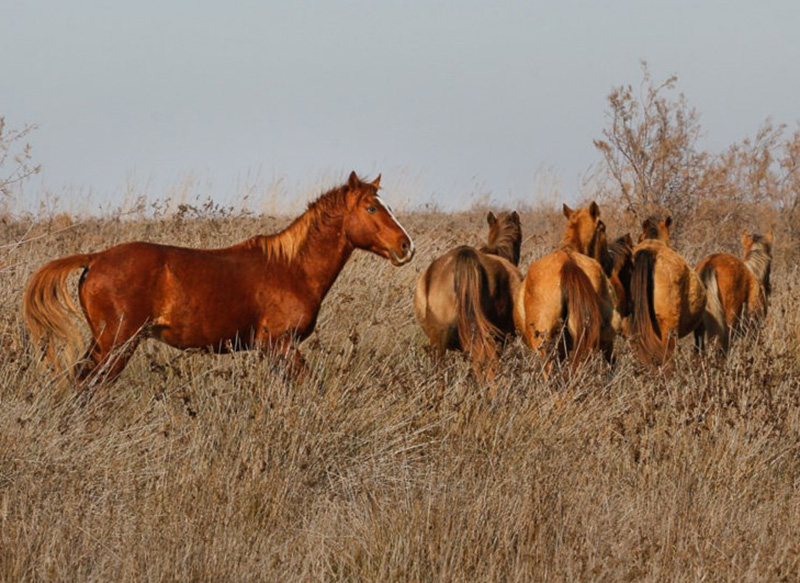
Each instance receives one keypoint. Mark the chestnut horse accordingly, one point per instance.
(667, 295)
(464, 300)
(737, 290)
(263, 293)
(566, 296)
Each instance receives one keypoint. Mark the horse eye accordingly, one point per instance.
(371, 210)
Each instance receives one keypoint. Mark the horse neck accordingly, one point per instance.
(759, 263)
(319, 250)
(571, 241)
(506, 250)
(599, 251)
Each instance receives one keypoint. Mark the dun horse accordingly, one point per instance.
(464, 300)
(263, 293)
(567, 291)
(668, 297)
(737, 290)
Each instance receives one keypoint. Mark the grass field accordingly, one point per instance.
(197, 467)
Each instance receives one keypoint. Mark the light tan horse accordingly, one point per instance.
(565, 306)
(667, 295)
(737, 290)
(464, 300)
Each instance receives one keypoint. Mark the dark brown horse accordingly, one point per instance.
(464, 300)
(668, 298)
(565, 305)
(737, 290)
(617, 261)
(263, 293)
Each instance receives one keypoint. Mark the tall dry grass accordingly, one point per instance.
(381, 468)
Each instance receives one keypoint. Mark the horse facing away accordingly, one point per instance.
(737, 290)
(616, 260)
(657, 228)
(566, 295)
(464, 299)
(667, 296)
(263, 293)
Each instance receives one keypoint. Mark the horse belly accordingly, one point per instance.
(201, 320)
(220, 338)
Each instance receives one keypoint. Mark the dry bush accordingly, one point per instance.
(382, 468)
(16, 159)
(653, 163)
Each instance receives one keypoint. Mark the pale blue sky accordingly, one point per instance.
(445, 98)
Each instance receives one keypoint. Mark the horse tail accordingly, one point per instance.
(580, 311)
(476, 333)
(714, 320)
(48, 308)
(645, 331)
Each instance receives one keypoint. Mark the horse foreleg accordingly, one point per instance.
(284, 351)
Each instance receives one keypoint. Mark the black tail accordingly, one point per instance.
(650, 346)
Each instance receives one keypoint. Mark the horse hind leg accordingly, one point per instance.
(108, 354)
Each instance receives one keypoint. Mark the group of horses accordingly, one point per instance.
(576, 299)
(265, 293)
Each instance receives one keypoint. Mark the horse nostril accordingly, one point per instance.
(404, 247)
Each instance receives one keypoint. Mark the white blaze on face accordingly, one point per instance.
(411, 248)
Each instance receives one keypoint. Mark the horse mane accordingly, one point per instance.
(505, 241)
(287, 245)
(598, 248)
(759, 261)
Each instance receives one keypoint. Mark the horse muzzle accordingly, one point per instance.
(408, 254)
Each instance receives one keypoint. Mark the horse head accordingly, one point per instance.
(371, 225)
(505, 236)
(582, 225)
(654, 227)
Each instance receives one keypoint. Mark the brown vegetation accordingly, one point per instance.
(196, 467)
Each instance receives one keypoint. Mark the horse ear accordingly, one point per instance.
(567, 211)
(491, 219)
(377, 182)
(515, 217)
(353, 181)
(594, 210)
(668, 221)
(627, 238)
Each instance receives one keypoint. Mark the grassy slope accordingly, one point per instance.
(210, 468)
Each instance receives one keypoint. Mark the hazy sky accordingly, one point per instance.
(445, 98)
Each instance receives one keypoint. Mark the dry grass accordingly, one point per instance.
(205, 468)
